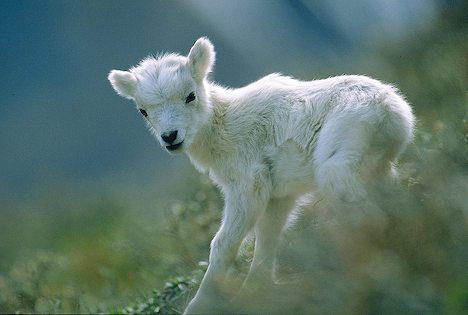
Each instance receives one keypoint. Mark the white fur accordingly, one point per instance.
(268, 143)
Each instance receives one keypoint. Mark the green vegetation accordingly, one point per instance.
(172, 299)
(101, 256)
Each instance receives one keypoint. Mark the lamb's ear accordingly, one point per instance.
(124, 83)
(201, 58)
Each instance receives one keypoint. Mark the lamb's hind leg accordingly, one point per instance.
(340, 181)
(347, 169)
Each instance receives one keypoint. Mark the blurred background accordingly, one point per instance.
(94, 214)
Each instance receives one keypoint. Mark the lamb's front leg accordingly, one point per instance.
(243, 205)
(267, 235)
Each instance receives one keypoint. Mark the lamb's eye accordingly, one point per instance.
(190, 98)
(143, 112)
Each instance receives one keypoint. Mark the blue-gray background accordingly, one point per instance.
(61, 123)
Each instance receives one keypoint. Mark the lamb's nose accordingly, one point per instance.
(169, 137)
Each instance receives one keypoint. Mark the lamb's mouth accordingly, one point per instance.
(174, 147)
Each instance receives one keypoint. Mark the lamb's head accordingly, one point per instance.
(170, 92)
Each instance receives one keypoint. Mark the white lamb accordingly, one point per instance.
(268, 143)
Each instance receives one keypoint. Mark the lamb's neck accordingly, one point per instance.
(208, 144)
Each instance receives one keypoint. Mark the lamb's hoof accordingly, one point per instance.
(215, 304)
